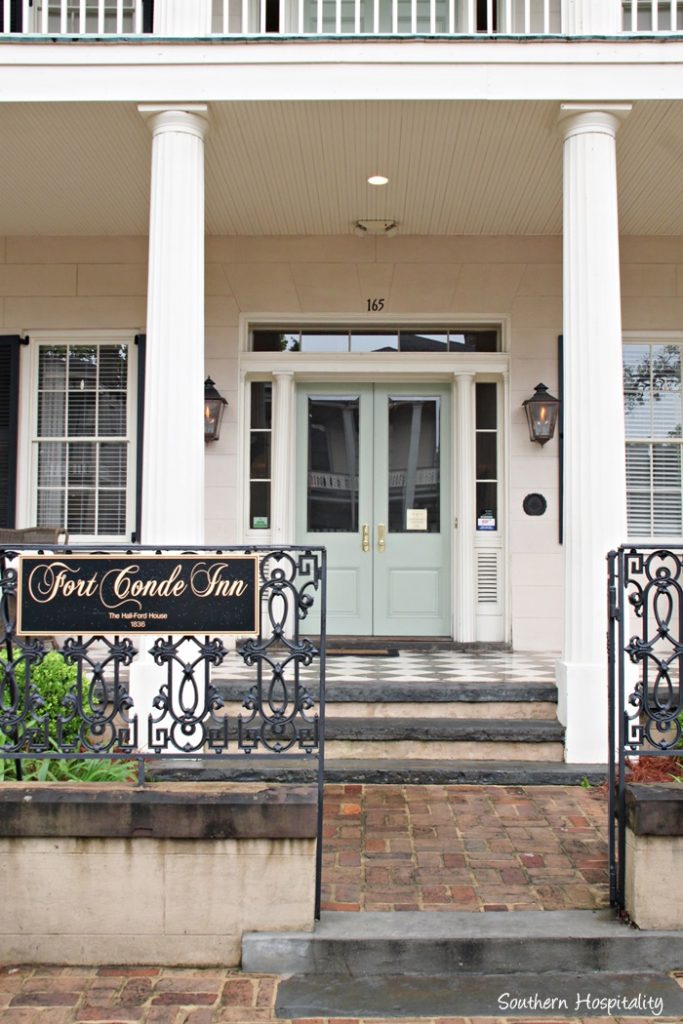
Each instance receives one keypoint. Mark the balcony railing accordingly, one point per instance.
(331, 17)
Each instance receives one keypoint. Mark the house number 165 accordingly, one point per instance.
(375, 305)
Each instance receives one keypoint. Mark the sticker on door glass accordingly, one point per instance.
(486, 520)
(416, 519)
(259, 523)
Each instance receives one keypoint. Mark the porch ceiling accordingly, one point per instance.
(301, 168)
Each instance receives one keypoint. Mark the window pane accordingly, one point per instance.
(667, 465)
(81, 517)
(474, 341)
(324, 341)
(667, 513)
(81, 415)
(51, 464)
(113, 367)
(637, 391)
(414, 465)
(50, 510)
(333, 464)
(52, 368)
(487, 413)
(374, 341)
(82, 368)
(639, 510)
(259, 505)
(276, 341)
(51, 413)
(638, 465)
(82, 463)
(421, 342)
(666, 390)
(487, 457)
(112, 414)
(259, 468)
(487, 506)
(111, 514)
(113, 464)
(261, 405)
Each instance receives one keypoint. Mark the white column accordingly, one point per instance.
(591, 17)
(182, 17)
(173, 478)
(594, 481)
(283, 457)
(464, 590)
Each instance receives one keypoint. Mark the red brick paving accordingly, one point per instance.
(171, 998)
(386, 848)
(477, 848)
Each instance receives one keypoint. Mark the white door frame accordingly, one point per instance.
(471, 622)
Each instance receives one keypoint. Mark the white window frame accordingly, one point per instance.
(27, 470)
(651, 338)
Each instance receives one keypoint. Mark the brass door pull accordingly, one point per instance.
(366, 537)
(381, 536)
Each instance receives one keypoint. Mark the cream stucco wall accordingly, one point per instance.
(49, 283)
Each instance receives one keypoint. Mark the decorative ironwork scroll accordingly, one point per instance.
(645, 657)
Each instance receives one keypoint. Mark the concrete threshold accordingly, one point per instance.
(430, 944)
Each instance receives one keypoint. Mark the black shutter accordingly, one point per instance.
(147, 15)
(16, 15)
(141, 342)
(9, 409)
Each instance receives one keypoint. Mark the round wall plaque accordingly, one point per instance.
(534, 504)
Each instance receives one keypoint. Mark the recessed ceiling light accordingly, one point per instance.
(377, 179)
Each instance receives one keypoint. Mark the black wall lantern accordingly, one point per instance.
(214, 404)
(541, 413)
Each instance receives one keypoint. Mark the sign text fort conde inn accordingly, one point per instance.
(141, 594)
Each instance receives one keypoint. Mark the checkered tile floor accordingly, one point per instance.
(429, 666)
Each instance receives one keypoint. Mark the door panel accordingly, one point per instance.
(378, 457)
(334, 497)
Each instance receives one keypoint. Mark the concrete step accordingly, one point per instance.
(439, 739)
(410, 943)
(386, 771)
(532, 700)
(646, 995)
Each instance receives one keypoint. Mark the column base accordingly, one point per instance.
(582, 709)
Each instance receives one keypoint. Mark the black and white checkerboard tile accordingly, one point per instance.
(428, 666)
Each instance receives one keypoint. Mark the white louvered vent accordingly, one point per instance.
(487, 577)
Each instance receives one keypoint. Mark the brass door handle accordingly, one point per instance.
(365, 534)
(381, 536)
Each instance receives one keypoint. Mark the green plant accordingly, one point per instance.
(585, 783)
(53, 679)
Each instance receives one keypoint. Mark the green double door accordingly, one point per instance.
(373, 486)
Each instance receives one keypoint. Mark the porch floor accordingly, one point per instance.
(409, 663)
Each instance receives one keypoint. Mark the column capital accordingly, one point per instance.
(463, 375)
(189, 118)
(587, 118)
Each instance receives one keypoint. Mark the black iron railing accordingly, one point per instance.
(184, 720)
(645, 650)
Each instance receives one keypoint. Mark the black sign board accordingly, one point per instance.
(78, 594)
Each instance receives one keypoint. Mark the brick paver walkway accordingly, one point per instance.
(464, 848)
(76, 995)
(386, 848)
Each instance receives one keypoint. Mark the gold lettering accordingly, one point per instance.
(208, 581)
(50, 580)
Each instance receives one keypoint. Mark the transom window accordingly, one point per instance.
(383, 339)
(653, 414)
(81, 442)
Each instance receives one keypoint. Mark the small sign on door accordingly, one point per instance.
(416, 519)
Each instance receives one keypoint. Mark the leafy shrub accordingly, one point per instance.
(53, 679)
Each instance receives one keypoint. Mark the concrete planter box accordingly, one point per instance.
(654, 854)
(164, 874)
